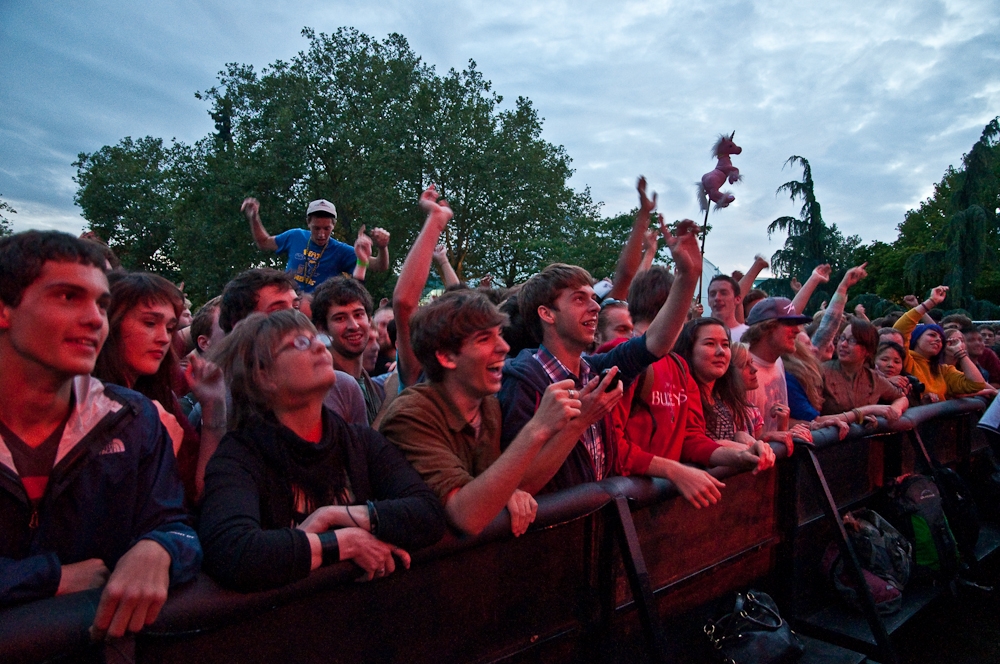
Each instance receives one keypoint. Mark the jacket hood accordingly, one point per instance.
(527, 369)
(91, 404)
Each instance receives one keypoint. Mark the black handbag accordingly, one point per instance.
(754, 633)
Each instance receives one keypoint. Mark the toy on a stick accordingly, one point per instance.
(724, 170)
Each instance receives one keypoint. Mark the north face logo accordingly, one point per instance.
(114, 447)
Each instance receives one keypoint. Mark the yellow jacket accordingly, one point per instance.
(949, 382)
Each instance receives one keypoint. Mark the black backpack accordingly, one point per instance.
(885, 557)
(914, 506)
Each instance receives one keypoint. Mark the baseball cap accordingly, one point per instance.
(775, 308)
(322, 205)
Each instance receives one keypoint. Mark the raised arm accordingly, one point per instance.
(829, 325)
(650, 245)
(631, 256)
(251, 210)
(746, 283)
(911, 301)
(363, 252)
(380, 237)
(666, 326)
(413, 278)
(448, 275)
(820, 275)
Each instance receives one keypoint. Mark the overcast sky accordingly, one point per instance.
(880, 97)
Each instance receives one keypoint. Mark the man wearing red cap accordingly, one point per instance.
(313, 255)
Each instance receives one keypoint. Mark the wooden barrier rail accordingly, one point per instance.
(625, 551)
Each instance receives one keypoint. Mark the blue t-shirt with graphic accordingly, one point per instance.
(310, 264)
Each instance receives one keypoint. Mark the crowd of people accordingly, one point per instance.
(291, 423)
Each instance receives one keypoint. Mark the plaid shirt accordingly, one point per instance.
(557, 371)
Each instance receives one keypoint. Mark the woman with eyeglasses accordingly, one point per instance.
(926, 352)
(852, 388)
(293, 487)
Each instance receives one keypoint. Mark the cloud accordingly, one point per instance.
(880, 97)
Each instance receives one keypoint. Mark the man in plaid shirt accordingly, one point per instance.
(560, 308)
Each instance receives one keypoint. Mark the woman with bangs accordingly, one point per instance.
(293, 487)
(926, 351)
(138, 354)
(852, 388)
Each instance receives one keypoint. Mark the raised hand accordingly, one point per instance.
(522, 508)
(760, 261)
(859, 311)
(440, 253)
(380, 237)
(645, 204)
(911, 301)
(205, 379)
(938, 295)
(796, 285)
(684, 247)
(363, 246)
(855, 274)
(250, 208)
(651, 239)
(436, 210)
(822, 272)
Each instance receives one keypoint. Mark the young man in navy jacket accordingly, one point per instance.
(560, 308)
(89, 492)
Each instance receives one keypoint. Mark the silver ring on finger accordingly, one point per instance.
(572, 394)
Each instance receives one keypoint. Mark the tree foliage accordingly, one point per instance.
(361, 122)
(6, 228)
(810, 242)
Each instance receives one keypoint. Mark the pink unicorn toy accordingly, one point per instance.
(724, 170)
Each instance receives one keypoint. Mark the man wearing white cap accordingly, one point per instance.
(314, 256)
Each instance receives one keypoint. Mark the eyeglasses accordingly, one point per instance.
(301, 342)
(850, 341)
(610, 302)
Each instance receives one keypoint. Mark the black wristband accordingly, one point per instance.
(330, 547)
(372, 518)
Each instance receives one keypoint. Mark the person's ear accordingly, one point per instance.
(204, 342)
(446, 359)
(546, 315)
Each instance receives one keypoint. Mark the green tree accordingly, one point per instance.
(952, 237)
(6, 228)
(361, 122)
(810, 241)
(127, 192)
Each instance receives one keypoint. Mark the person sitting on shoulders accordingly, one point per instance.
(313, 255)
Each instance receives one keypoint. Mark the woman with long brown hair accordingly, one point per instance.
(138, 355)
